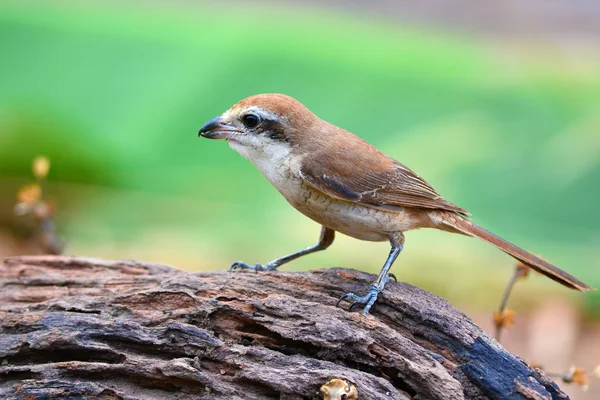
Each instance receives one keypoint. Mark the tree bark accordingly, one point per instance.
(89, 328)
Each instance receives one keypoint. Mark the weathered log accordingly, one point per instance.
(89, 328)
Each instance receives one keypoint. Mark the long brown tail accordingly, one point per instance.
(470, 229)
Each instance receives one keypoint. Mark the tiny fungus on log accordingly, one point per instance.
(90, 328)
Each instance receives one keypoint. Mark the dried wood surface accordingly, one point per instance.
(90, 328)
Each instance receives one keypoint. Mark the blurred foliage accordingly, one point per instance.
(36, 213)
(114, 95)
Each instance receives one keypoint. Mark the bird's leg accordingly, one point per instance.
(397, 242)
(325, 240)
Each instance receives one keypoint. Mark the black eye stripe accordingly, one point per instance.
(273, 129)
(260, 125)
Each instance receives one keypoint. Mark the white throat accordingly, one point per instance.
(272, 158)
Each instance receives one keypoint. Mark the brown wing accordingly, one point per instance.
(362, 174)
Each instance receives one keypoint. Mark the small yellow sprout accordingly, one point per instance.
(41, 166)
(339, 389)
(504, 319)
(522, 270)
(578, 376)
(30, 194)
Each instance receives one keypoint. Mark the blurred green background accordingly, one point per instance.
(496, 105)
(114, 94)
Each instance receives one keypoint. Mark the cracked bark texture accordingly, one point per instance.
(90, 328)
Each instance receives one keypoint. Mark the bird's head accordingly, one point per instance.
(264, 122)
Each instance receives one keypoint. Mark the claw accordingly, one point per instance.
(367, 300)
(393, 277)
(243, 265)
(255, 267)
(344, 297)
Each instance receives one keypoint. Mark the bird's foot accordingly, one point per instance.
(257, 267)
(369, 299)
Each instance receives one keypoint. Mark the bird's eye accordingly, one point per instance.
(250, 120)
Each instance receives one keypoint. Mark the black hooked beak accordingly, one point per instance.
(215, 129)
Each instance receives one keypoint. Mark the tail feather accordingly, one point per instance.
(470, 229)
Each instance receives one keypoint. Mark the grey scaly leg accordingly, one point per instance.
(325, 240)
(397, 241)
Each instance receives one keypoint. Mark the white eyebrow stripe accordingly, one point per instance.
(261, 112)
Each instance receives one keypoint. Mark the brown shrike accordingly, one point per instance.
(342, 182)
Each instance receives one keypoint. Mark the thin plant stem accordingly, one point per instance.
(505, 296)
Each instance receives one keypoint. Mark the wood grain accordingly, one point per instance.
(89, 328)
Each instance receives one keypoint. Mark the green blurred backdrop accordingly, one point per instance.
(114, 93)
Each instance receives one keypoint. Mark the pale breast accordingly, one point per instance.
(352, 219)
(358, 221)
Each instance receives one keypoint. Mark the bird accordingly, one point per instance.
(345, 184)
